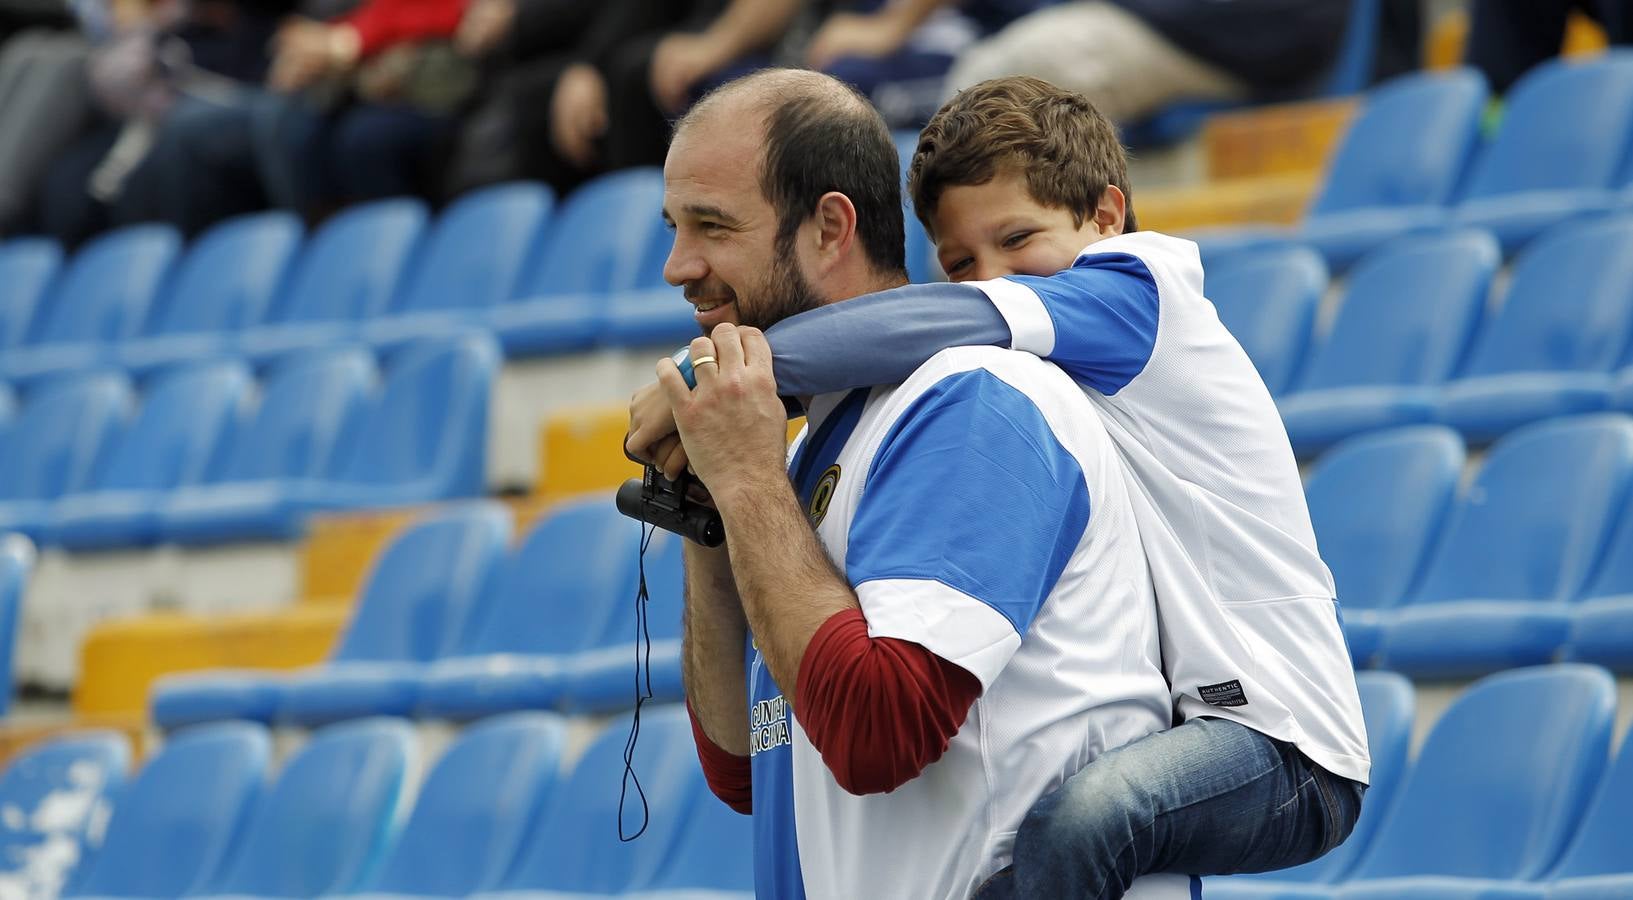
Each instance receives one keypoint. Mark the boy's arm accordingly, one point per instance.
(1097, 321)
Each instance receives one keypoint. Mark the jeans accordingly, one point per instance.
(1209, 797)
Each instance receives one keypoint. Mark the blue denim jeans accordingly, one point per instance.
(1209, 797)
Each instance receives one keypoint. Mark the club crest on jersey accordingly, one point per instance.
(823, 495)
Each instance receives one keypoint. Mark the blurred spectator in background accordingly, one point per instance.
(1507, 37)
(44, 104)
(1131, 57)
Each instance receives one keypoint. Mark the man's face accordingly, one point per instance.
(726, 255)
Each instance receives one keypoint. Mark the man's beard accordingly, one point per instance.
(785, 293)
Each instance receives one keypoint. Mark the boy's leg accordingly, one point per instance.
(1209, 797)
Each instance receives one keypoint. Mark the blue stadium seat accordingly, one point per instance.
(1389, 705)
(416, 598)
(1520, 542)
(57, 793)
(1558, 153)
(102, 298)
(16, 563)
(1596, 865)
(1550, 349)
(555, 596)
(601, 679)
(475, 808)
(55, 443)
(177, 823)
(709, 862)
(1378, 503)
(1602, 620)
(348, 271)
(226, 282)
(326, 823)
(470, 262)
(575, 846)
(1393, 173)
(187, 415)
(309, 413)
(1621, 393)
(27, 268)
(1409, 314)
(380, 664)
(598, 244)
(922, 265)
(1501, 781)
(1267, 299)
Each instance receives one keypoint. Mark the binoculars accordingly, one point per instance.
(658, 501)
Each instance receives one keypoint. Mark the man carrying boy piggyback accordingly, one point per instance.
(1024, 189)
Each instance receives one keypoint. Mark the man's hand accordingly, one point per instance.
(868, 36)
(680, 61)
(652, 438)
(484, 25)
(578, 113)
(734, 425)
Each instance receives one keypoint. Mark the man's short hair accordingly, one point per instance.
(1054, 138)
(820, 136)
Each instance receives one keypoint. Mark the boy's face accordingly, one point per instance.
(989, 230)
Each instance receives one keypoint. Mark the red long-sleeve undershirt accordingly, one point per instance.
(878, 710)
(384, 23)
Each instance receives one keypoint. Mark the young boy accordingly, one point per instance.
(1024, 189)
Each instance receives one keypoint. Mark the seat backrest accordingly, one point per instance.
(61, 435)
(428, 423)
(351, 267)
(309, 406)
(1266, 299)
(108, 287)
(1567, 305)
(176, 823)
(1614, 575)
(187, 417)
(1409, 313)
(229, 277)
(710, 854)
(1566, 124)
(421, 588)
(1376, 540)
(54, 794)
(474, 254)
(329, 817)
(1503, 777)
(921, 254)
(1533, 522)
(665, 591)
(600, 238)
(560, 590)
(17, 558)
(1600, 845)
(575, 846)
(484, 796)
(1352, 69)
(1389, 705)
(1408, 145)
(27, 268)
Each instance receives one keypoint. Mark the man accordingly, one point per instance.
(971, 619)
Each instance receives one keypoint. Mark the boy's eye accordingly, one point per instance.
(958, 266)
(1016, 239)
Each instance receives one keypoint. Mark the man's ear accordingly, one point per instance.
(1109, 212)
(835, 220)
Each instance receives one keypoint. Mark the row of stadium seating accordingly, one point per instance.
(1531, 561)
(210, 457)
(1414, 159)
(1416, 338)
(1513, 794)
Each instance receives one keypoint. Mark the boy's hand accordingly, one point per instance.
(652, 437)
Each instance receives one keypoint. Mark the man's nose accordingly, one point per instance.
(683, 264)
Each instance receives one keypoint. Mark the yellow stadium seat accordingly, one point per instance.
(1276, 140)
(339, 548)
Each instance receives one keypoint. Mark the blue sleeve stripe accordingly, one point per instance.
(1105, 310)
(972, 489)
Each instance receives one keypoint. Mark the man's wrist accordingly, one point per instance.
(749, 490)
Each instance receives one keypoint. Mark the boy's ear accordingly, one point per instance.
(835, 219)
(1110, 211)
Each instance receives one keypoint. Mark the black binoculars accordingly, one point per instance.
(658, 501)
